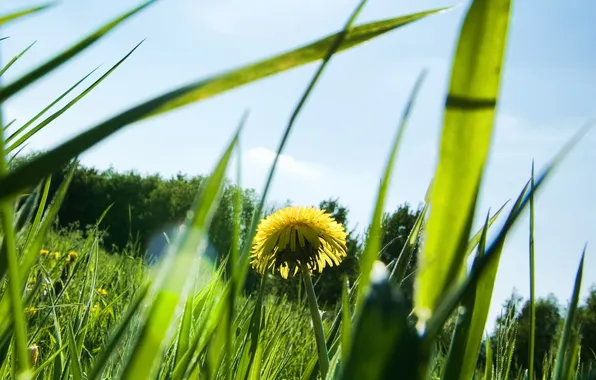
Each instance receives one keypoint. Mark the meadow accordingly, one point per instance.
(70, 307)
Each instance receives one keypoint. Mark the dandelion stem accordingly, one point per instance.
(317, 322)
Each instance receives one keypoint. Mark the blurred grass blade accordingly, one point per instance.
(118, 332)
(56, 114)
(455, 293)
(75, 364)
(22, 13)
(15, 58)
(346, 328)
(32, 120)
(465, 142)
(373, 241)
(30, 173)
(379, 330)
(467, 338)
(8, 255)
(173, 285)
(564, 360)
(184, 331)
(488, 366)
(532, 299)
(55, 62)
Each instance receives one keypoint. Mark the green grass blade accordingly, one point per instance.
(456, 292)
(184, 331)
(39, 369)
(467, 128)
(15, 58)
(532, 282)
(176, 274)
(27, 124)
(22, 13)
(118, 333)
(379, 329)
(346, 322)
(55, 62)
(8, 254)
(488, 367)
(398, 272)
(467, 338)
(75, 364)
(566, 349)
(30, 173)
(56, 114)
(373, 240)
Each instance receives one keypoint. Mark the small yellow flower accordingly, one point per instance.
(31, 311)
(296, 236)
(102, 292)
(44, 252)
(72, 255)
(33, 354)
(55, 255)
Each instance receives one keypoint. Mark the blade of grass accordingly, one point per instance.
(488, 367)
(467, 128)
(174, 282)
(532, 282)
(455, 293)
(15, 58)
(467, 338)
(563, 360)
(75, 364)
(27, 124)
(373, 240)
(8, 254)
(55, 62)
(56, 114)
(31, 172)
(22, 13)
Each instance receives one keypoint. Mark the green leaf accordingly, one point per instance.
(30, 173)
(22, 13)
(488, 367)
(465, 142)
(181, 263)
(566, 349)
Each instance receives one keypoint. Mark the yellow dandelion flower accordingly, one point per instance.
(44, 252)
(55, 255)
(295, 236)
(72, 255)
(102, 292)
(31, 311)
(33, 354)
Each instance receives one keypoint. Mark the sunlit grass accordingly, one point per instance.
(68, 309)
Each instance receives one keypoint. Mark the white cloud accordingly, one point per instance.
(287, 164)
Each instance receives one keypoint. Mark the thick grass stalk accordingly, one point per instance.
(316, 321)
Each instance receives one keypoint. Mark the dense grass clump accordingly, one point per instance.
(72, 306)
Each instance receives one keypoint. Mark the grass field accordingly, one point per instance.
(85, 314)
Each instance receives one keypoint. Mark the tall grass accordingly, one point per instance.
(91, 315)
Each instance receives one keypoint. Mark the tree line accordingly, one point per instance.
(142, 207)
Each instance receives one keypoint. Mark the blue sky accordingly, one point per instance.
(340, 141)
